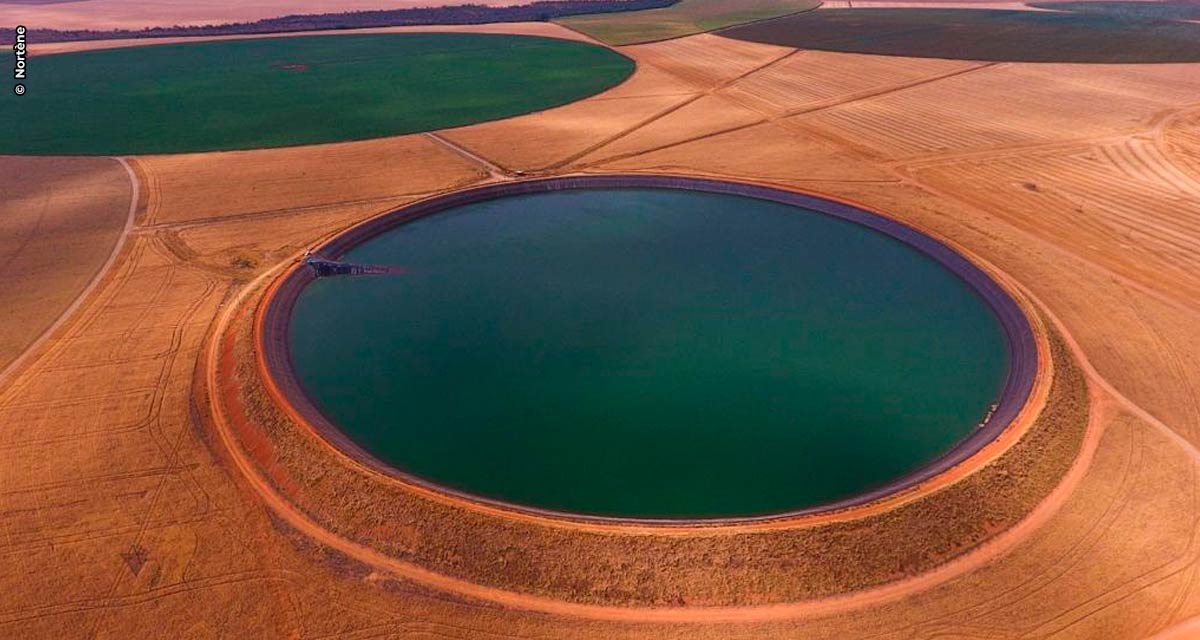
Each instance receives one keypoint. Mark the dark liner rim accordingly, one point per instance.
(1020, 339)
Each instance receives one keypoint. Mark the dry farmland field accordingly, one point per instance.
(156, 482)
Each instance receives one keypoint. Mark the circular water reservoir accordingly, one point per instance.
(649, 352)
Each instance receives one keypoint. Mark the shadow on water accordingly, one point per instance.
(1080, 32)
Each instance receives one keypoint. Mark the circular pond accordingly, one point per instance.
(281, 91)
(622, 347)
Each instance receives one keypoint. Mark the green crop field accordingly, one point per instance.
(683, 19)
(271, 92)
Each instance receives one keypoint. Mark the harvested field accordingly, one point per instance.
(708, 61)
(127, 514)
(707, 115)
(535, 143)
(1098, 190)
(986, 35)
(1180, 140)
(779, 153)
(972, 110)
(192, 188)
(60, 220)
(811, 80)
(686, 18)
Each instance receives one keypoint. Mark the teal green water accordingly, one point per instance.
(649, 353)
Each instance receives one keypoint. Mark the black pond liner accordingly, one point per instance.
(1019, 335)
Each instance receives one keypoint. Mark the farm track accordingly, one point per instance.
(845, 100)
(664, 113)
(123, 514)
(496, 171)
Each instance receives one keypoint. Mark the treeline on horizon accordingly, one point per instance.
(540, 11)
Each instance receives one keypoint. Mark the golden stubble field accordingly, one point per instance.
(123, 516)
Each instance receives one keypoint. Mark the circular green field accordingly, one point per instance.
(273, 92)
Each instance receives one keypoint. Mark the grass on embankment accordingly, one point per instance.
(686, 18)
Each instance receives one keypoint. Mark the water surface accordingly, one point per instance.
(649, 353)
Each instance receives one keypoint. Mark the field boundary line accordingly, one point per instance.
(716, 31)
(495, 170)
(803, 111)
(783, 119)
(713, 92)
